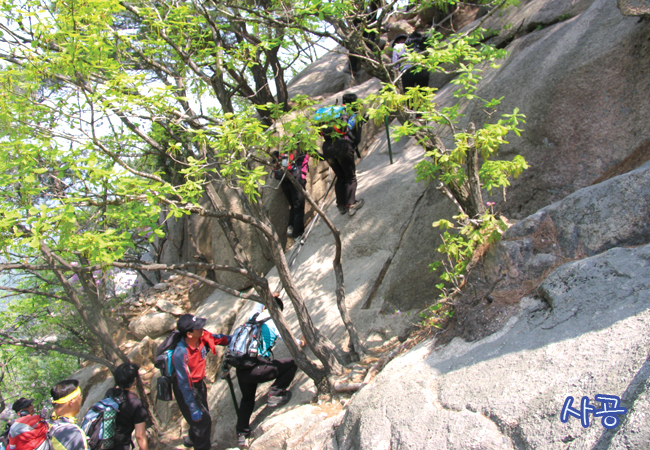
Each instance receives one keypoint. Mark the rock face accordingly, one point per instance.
(570, 317)
(634, 7)
(589, 336)
(327, 76)
(579, 74)
(152, 325)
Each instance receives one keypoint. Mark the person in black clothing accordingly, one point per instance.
(266, 369)
(297, 163)
(339, 152)
(132, 414)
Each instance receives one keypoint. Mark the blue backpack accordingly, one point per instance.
(99, 424)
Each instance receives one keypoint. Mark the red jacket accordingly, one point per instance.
(27, 433)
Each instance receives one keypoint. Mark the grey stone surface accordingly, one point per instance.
(326, 76)
(152, 325)
(581, 83)
(169, 307)
(509, 388)
(143, 352)
(594, 219)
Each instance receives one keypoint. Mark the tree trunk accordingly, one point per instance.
(313, 338)
(322, 347)
(477, 207)
(357, 350)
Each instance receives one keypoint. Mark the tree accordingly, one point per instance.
(86, 115)
(122, 111)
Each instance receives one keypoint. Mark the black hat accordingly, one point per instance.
(188, 322)
(21, 404)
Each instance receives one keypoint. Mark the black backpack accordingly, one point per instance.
(245, 344)
(165, 364)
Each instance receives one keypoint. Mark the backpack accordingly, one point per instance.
(165, 364)
(29, 433)
(165, 352)
(336, 119)
(99, 423)
(245, 343)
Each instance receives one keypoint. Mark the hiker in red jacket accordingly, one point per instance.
(29, 430)
(189, 388)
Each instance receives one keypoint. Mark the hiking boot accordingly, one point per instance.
(289, 231)
(278, 400)
(241, 440)
(352, 209)
(187, 442)
(342, 209)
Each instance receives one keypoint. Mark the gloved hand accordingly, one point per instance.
(196, 415)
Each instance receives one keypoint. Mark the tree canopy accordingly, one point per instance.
(118, 115)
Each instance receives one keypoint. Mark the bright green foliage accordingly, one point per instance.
(473, 229)
(459, 248)
(32, 373)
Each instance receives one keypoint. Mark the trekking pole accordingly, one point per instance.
(390, 149)
(225, 375)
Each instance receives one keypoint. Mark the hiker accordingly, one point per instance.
(297, 163)
(132, 414)
(23, 407)
(189, 388)
(29, 430)
(266, 369)
(66, 399)
(339, 152)
(402, 44)
(355, 122)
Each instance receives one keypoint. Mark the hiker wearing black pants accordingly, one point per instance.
(339, 154)
(296, 163)
(266, 369)
(296, 200)
(189, 386)
(199, 433)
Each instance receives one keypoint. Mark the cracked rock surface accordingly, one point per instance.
(507, 390)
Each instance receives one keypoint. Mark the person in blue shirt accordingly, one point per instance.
(267, 369)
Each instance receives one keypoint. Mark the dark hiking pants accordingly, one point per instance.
(280, 370)
(199, 431)
(296, 201)
(339, 154)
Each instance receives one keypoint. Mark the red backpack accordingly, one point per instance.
(29, 433)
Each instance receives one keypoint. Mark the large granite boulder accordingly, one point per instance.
(152, 325)
(582, 82)
(588, 335)
(326, 76)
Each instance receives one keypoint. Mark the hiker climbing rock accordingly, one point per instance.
(189, 388)
(263, 368)
(339, 152)
(296, 163)
(403, 44)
